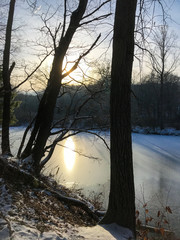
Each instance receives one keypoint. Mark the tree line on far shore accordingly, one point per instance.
(145, 102)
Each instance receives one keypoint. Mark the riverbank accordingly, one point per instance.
(156, 169)
(156, 131)
(30, 211)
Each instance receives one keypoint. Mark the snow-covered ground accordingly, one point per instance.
(21, 221)
(22, 232)
(105, 232)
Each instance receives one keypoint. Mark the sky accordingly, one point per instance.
(31, 23)
(174, 12)
(30, 32)
(172, 19)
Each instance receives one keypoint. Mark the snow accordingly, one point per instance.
(105, 232)
(168, 146)
(23, 232)
(149, 130)
(112, 232)
(4, 233)
(17, 226)
(5, 201)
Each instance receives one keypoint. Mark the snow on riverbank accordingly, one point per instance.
(149, 130)
(22, 232)
(30, 214)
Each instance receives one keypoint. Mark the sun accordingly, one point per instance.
(76, 77)
(69, 153)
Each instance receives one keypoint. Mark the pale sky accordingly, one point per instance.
(32, 22)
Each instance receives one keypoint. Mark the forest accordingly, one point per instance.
(145, 99)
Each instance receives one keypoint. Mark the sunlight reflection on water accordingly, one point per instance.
(69, 154)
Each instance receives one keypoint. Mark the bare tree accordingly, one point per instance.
(6, 74)
(145, 107)
(42, 126)
(164, 59)
(121, 207)
(3, 14)
(7, 88)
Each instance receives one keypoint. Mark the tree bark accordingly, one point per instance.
(6, 73)
(121, 208)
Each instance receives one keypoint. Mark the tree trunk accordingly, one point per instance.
(5, 143)
(44, 118)
(121, 207)
(161, 107)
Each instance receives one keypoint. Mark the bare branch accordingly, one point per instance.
(11, 68)
(24, 138)
(96, 19)
(63, 136)
(64, 20)
(30, 75)
(97, 9)
(80, 57)
(53, 36)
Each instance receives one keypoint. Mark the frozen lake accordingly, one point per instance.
(156, 168)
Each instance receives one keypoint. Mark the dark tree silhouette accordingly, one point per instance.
(164, 60)
(121, 209)
(6, 73)
(43, 123)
